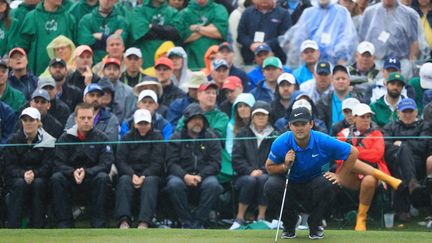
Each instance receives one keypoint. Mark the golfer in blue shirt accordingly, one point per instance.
(311, 185)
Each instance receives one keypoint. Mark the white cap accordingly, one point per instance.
(350, 103)
(31, 112)
(366, 46)
(260, 110)
(426, 76)
(308, 44)
(302, 103)
(133, 51)
(361, 109)
(148, 93)
(142, 115)
(286, 77)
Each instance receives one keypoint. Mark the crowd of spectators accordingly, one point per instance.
(174, 100)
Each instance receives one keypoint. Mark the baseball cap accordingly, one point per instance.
(362, 109)
(41, 93)
(232, 82)
(323, 68)
(261, 107)
(141, 115)
(350, 103)
(133, 51)
(395, 76)
(300, 114)
(148, 93)
(164, 61)
(17, 49)
(31, 112)
(261, 48)
(366, 46)
(406, 104)
(426, 76)
(57, 61)
(204, 87)
(3, 64)
(106, 85)
(341, 68)
(286, 77)
(111, 60)
(225, 45)
(308, 44)
(81, 49)
(46, 81)
(392, 62)
(302, 103)
(196, 79)
(272, 61)
(92, 88)
(217, 63)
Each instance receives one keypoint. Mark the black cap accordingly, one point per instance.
(323, 68)
(57, 61)
(3, 64)
(300, 114)
(340, 68)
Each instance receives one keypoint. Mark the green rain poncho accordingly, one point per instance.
(39, 29)
(8, 35)
(212, 13)
(95, 23)
(165, 24)
(81, 8)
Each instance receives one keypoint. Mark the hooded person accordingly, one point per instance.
(209, 56)
(241, 114)
(192, 167)
(39, 28)
(61, 47)
(161, 51)
(204, 23)
(9, 29)
(330, 26)
(180, 66)
(155, 23)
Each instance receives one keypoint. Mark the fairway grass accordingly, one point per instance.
(203, 236)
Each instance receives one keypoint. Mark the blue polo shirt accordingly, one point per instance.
(312, 161)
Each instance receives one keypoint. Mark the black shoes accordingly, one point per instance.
(318, 234)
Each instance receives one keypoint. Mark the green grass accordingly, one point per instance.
(202, 236)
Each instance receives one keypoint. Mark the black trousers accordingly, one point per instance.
(147, 195)
(20, 191)
(207, 192)
(314, 197)
(64, 188)
(405, 165)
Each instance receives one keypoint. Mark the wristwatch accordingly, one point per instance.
(197, 28)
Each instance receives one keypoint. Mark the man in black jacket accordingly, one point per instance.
(140, 167)
(192, 168)
(406, 157)
(82, 168)
(68, 93)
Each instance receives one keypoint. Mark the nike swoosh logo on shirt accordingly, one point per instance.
(314, 155)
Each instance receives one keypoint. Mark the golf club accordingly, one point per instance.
(282, 206)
